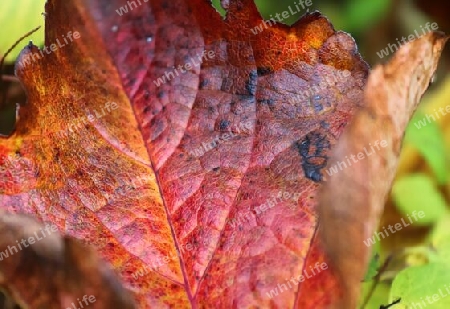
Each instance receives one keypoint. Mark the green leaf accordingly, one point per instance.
(428, 139)
(440, 239)
(18, 18)
(417, 198)
(218, 7)
(424, 286)
(380, 295)
(441, 231)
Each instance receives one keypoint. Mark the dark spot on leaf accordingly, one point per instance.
(203, 82)
(269, 102)
(223, 125)
(250, 85)
(316, 101)
(226, 84)
(324, 124)
(313, 149)
(157, 125)
(263, 71)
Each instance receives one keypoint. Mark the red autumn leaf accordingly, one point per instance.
(199, 183)
(259, 83)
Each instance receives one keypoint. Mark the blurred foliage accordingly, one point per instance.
(347, 15)
(413, 191)
(420, 264)
(425, 135)
(19, 17)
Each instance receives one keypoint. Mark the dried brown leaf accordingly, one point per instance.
(42, 269)
(352, 200)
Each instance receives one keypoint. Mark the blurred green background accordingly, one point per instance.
(418, 255)
(18, 17)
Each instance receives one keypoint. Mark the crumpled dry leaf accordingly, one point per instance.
(41, 269)
(351, 201)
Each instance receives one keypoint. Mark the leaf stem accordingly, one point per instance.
(376, 280)
(2, 61)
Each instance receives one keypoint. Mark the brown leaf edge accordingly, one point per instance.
(45, 270)
(352, 200)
